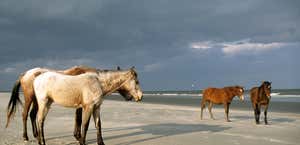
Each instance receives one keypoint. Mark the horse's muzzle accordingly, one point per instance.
(139, 100)
(242, 98)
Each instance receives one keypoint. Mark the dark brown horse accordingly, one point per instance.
(260, 96)
(220, 96)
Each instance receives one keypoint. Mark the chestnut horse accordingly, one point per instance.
(86, 90)
(260, 96)
(26, 82)
(220, 96)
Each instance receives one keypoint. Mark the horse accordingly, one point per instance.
(260, 96)
(221, 96)
(84, 91)
(25, 81)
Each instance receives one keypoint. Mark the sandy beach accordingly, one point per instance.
(130, 123)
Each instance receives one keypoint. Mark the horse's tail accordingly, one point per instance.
(14, 99)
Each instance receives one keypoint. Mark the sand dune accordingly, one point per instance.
(129, 123)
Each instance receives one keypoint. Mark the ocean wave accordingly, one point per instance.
(286, 96)
(275, 94)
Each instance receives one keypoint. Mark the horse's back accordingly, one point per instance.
(66, 90)
(62, 82)
(213, 94)
(28, 78)
(77, 70)
(32, 73)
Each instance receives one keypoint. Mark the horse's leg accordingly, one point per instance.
(87, 111)
(202, 107)
(226, 107)
(254, 110)
(42, 113)
(78, 122)
(266, 110)
(28, 101)
(97, 120)
(33, 114)
(257, 113)
(209, 109)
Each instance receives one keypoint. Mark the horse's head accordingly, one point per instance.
(267, 88)
(240, 92)
(131, 89)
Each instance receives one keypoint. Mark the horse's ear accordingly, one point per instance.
(132, 69)
(118, 68)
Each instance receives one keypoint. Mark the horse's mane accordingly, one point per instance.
(264, 83)
(261, 87)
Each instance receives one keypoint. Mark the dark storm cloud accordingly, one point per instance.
(153, 35)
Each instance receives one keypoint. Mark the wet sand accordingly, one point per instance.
(130, 123)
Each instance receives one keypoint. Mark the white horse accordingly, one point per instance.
(25, 81)
(84, 91)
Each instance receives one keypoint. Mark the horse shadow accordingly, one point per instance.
(270, 119)
(283, 120)
(159, 131)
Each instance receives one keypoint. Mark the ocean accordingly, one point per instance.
(282, 100)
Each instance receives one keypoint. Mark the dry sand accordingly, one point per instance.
(129, 123)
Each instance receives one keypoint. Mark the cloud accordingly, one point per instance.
(152, 67)
(52, 9)
(239, 47)
(8, 70)
(202, 45)
(248, 47)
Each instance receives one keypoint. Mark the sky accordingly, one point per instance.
(173, 44)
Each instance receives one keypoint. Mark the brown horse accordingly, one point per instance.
(26, 82)
(260, 96)
(220, 96)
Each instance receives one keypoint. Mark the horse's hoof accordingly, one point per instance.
(25, 139)
(77, 137)
(229, 121)
(101, 143)
(81, 142)
(35, 135)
